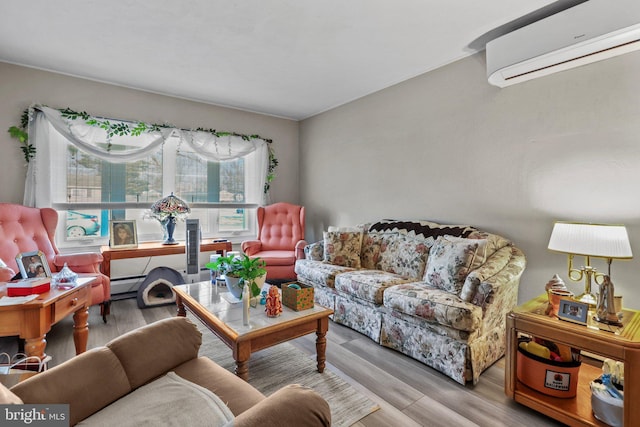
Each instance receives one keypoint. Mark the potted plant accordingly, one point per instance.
(252, 272)
(237, 271)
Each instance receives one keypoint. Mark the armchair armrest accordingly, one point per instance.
(6, 274)
(251, 247)
(291, 405)
(300, 249)
(86, 262)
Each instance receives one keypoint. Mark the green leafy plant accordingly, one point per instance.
(227, 265)
(20, 133)
(246, 268)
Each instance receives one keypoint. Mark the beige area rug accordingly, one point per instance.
(274, 367)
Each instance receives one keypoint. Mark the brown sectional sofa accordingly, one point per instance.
(137, 362)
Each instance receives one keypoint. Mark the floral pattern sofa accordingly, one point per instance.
(437, 293)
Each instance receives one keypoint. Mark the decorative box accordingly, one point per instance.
(559, 379)
(28, 287)
(297, 299)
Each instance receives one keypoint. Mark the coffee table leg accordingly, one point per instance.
(321, 342)
(81, 329)
(181, 310)
(241, 354)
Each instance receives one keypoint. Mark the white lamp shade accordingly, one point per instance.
(596, 240)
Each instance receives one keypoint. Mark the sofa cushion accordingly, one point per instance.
(367, 285)
(169, 401)
(237, 395)
(374, 246)
(405, 256)
(449, 263)
(481, 254)
(148, 352)
(278, 257)
(433, 304)
(342, 248)
(318, 273)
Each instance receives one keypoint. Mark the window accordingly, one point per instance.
(89, 189)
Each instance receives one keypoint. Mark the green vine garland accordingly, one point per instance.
(125, 129)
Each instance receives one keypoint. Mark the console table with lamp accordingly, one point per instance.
(607, 334)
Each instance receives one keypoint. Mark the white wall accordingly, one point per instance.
(20, 87)
(449, 147)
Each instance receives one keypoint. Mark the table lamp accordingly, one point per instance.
(606, 241)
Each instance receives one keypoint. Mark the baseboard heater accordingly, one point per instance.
(131, 284)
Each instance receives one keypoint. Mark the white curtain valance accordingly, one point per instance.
(114, 148)
(95, 140)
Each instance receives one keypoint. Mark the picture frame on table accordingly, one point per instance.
(123, 233)
(33, 264)
(573, 311)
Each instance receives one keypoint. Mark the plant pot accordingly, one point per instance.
(260, 280)
(233, 285)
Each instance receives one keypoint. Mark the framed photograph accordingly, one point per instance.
(573, 311)
(33, 264)
(123, 233)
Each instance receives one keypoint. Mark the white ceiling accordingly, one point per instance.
(288, 58)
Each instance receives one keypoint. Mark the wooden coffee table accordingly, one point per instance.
(224, 319)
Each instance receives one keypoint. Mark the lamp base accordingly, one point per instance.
(587, 298)
(609, 320)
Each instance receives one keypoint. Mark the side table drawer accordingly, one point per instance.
(70, 303)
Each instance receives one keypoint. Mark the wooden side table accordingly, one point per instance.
(622, 345)
(32, 320)
(150, 249)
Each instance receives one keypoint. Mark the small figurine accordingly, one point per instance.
(273, 306)
(556, 290)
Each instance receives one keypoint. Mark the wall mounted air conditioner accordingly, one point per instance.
(589, 32)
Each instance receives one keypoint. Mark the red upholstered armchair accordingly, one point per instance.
(280, 239)
(25, 229)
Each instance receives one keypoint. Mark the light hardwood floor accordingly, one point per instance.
(408, 392)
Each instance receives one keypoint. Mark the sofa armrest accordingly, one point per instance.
(314, 251)
(300, 249)
(498, 294)
(87, 382)
(293, 405)
(251, 247)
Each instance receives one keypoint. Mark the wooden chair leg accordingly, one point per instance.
(105, 308)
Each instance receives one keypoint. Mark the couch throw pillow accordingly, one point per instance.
(342, 248)
(374, 247)
(406, 257)
(449, 263)
(481, 253)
